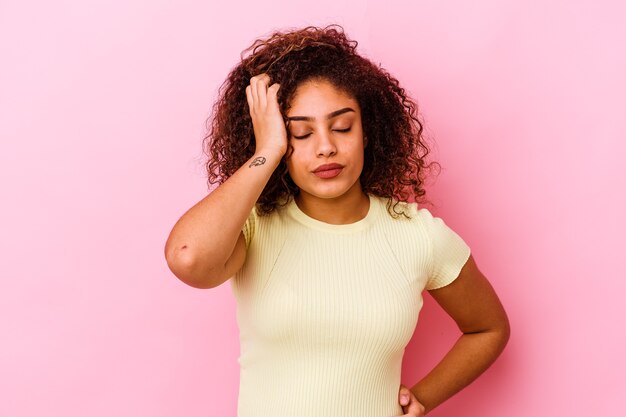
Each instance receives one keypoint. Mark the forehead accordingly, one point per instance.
(319, 97)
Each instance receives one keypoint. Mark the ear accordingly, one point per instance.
(364, 142)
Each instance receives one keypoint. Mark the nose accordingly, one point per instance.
(325, 145)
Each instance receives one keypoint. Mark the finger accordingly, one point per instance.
(274, 88)
(272, 94)
(414, 409)
(261, 90)
(263, 77)
(253, 91)
(249, 98)
(404, 395)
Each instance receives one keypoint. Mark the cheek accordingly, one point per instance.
(356, 151)
(298, 153)
(293, 164)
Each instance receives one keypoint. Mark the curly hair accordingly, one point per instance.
(394, 158)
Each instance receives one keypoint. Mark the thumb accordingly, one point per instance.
(404, 396)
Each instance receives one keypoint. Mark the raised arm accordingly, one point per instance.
(205, 246)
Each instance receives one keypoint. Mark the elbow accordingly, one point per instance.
(184, 266)
(496, 335)
(501, 329)
(502, 333)
(506, 333)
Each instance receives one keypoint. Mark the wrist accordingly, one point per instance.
(273, 154)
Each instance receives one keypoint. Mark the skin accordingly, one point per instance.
(324, 140)
(205, 255)
(473, 304)
(469, 300)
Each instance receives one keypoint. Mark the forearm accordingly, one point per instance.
(209, 230)
(470, 356)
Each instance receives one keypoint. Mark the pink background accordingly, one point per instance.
(102, 111)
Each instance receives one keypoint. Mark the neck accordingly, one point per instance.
(345, 209)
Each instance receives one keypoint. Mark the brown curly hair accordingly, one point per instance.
(394, 158)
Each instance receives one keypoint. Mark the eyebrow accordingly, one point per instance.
(328, 116)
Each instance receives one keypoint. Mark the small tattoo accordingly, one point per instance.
(259, 160)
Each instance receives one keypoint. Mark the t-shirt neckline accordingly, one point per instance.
(312, 223)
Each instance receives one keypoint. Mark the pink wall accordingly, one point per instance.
(102, 110)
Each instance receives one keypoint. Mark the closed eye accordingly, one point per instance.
(304, 136)
(335, 130)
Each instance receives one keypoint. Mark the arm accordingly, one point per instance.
(203, 240)
(473, 304)
(206, 246)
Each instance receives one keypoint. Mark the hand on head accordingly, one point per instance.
(269, 126)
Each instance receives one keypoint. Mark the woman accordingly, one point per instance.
(317, 152)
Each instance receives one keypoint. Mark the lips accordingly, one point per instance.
(328, 167)
(328, 171)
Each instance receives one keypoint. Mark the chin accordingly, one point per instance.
(328, 195)
(328, 191)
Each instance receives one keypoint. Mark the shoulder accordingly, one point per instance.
(402, 221)
(412, 220)
(404, 211)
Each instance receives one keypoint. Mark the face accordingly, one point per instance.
(325, 128)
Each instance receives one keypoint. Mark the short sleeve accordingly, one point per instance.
(449, 252)
(249, 227)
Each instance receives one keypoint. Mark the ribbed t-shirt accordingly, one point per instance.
(325, 311)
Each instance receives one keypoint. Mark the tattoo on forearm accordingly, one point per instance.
(259, 160)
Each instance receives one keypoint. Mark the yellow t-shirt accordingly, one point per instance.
(325, 311)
